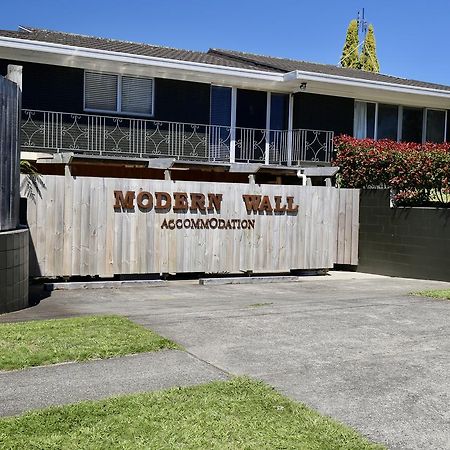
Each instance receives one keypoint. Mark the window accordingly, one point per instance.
(220, 113)
(364, 122)
(405, 123)
(435, 122)
(412, 124)
(279, 111)
(387, 123)
(118, 93)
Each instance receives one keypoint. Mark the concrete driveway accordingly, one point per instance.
(355, 347)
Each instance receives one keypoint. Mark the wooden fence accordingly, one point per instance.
(9, 154)
(76, 230)
(347, 227)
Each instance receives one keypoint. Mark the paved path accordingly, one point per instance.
(354, 347)
(38, 387)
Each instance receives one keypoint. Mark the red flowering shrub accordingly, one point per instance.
(418, 174)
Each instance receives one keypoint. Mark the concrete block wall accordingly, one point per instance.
(404, 242)
(14, 262)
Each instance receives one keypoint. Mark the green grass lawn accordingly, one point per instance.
(238, 414)
(26, 344)
(442, 294)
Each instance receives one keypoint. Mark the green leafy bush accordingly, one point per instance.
(417, 174)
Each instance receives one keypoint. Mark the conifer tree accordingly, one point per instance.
(350, 52)
(369, 61)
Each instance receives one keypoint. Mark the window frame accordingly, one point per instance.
(118, 109)
(425, 122)
(400, 119)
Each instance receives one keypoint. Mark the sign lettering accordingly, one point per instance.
(195, 202)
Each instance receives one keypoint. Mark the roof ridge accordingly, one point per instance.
(232, 54)
(281, 58)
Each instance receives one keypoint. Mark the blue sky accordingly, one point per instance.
(413, 40)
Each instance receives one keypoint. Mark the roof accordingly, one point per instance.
(218, 57)
(289, 65)
(113, 45)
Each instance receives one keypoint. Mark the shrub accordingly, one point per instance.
(417, 174)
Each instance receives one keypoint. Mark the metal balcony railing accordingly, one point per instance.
(119, 136)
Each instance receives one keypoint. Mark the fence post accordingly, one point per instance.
(15, 74)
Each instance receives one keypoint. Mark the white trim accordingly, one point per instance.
(286, 79)
(359, 82)
(290, 122)
(375, 128)
(268, 112)
(82, 52)
(425, 124)
(233, 125)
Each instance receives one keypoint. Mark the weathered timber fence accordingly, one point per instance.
(13, 241)
(9, 154)
(347, 227)
(76, 230)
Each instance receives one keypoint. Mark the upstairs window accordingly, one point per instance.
(104, 92)
(435, 122)
(364, 120)
(399, 123)
(387, 123)
(412, 124)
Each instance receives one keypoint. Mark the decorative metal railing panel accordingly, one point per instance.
(312, 145)
(106, 135)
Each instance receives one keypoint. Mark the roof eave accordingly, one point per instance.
(370, 90)
(46, 52)
(81, 57)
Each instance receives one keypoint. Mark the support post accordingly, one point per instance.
(290, 122)
(267, 146)
(233, 126)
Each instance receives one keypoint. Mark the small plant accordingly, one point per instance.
(32, 182)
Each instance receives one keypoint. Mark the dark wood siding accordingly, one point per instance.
(55, 88)
(182, 101)
(50, 88)
(323, 112)
(448, 126)
(251, 109)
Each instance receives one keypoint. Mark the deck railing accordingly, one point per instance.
(106, 135)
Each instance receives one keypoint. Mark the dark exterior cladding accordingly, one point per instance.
(57, 88)
(49, 88)
(323, 112)
(182, 101)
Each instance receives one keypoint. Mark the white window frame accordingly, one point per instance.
(118, 109)
(400, 119)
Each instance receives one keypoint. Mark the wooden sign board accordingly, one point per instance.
(107, 226)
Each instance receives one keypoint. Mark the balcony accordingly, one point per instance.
(54, 132)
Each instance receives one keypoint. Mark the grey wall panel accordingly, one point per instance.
(405, 242)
